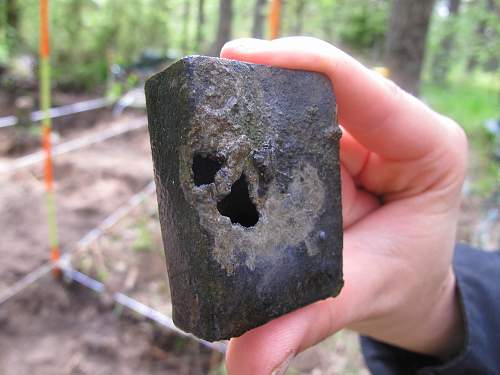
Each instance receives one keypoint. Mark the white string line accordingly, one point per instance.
(115, 217)
(26, 281)
(73, 145)
(8, 121)
(83, 243)
(137, 307)
(70, 109)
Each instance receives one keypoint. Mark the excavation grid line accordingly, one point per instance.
(64, 110)
(64, 264)
(136, 306)
(89, 238)
(74, 145)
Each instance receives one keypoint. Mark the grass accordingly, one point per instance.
(469, 100)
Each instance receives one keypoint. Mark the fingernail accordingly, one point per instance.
(281, 369)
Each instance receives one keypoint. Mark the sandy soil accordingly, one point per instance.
(90, 184)
(53, 329)
(129, 258)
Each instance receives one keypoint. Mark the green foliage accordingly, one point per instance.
(6, 34)
(4, 54)
(470, 100)
(144, 237)
(476, 37)
(364, 24)
(88, 36)
(219, 370)
(359, 25)
(481, 35)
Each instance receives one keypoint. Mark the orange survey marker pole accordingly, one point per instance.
(46, 130)
(274, 19)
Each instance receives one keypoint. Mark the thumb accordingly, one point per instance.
(265, 349)
(269, 348)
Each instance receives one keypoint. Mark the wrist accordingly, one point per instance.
(453, 335)
(446, 329)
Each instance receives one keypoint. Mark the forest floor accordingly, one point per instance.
(56, 327)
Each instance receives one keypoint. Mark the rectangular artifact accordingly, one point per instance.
(246, 161)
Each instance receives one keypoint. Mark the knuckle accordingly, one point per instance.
(395, 92)
(457, 135)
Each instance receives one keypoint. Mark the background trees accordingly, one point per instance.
(258, 19)
(441, 59)
(406, 41)
(442, 38)
(224, 26)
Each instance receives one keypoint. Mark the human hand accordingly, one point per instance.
(402, 168)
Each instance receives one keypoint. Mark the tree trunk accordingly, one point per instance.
(453, 7)
(200, 25)
(441, 60)
(299, 17)
(258, 19)
(185, 27)
(406, 41)
(224, 27)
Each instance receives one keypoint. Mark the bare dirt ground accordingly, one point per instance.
(90, 184)
(129, 258)
(52, 328)
(59, 328)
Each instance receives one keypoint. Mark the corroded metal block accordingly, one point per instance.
(247, 170)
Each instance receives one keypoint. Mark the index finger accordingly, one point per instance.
(382, 117)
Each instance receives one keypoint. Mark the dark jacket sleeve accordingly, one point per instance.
(478, 281)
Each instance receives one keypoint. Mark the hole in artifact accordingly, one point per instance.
(204, 169)
(238, 206)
